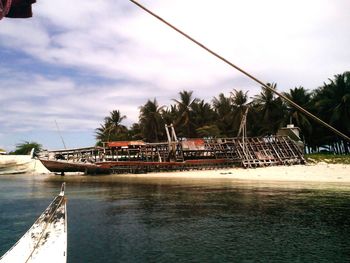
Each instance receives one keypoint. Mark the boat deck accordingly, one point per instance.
(141, 157)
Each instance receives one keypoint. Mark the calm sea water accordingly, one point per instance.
(113, 219)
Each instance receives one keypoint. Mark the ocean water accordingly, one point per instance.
(113, 219)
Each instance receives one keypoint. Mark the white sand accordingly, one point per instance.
(321, 172)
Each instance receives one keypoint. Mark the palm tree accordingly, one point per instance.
(151, 122)
(332, 102)
(270, 109)
(203, 119)
(224, 114)
(101, 134)
(170, 114)
(26, 147)
(112, 129)
(303, 98)
(184, 123)
(113, 122)
(239, 101)
(203, 113)
(135, 132)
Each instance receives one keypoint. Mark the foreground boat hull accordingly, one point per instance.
(46, 240)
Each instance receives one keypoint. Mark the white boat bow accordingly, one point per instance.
(46, 240)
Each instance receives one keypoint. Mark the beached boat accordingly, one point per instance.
(187, 154)
(62, 166)
(46, 240)
(17, 164)
(14, 164)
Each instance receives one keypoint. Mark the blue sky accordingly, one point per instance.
(75, 61)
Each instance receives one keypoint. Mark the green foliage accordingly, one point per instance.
(331, 102)
(25, 148)
(184, 123)
(270, 110)
(303, 98)
(193, 117)
(327, 158)
(112, 129)
(208, 131)
(135, 132)
(151, 122)
(223, 114)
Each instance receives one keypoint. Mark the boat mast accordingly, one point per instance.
(292, 103)
(243, 130)
(59, 132)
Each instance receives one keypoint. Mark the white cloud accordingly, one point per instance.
(34, 102)
(260, 36)
(292, 43)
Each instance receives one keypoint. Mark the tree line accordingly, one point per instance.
(221, 117)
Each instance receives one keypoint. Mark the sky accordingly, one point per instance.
(75, 61)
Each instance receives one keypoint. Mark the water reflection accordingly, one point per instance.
(118, 219)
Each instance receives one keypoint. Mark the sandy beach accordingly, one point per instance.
(320, 172)
(320, 176)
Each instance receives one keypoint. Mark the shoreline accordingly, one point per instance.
(309, 176)
(321, 176)
(320, 172)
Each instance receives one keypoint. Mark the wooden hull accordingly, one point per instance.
(144, 167)
(129, 166)
(46, 240)
(64, 166)
(109, 164)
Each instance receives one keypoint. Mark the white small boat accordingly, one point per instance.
(46, 240)
(17, 164)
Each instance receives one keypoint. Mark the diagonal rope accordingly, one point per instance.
(292, 103)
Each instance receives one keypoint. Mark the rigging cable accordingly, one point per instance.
(59, 132)
(292, 103)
